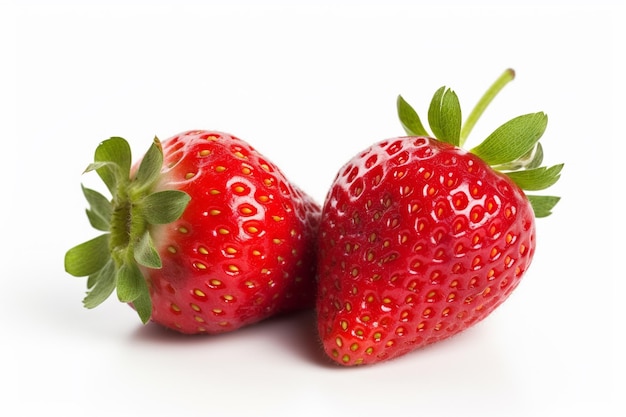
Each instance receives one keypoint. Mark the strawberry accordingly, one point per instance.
(204, 235)
(421, 239)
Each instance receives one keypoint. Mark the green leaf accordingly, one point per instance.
(410, 120)
(112, 162)
(100, 209)
(88, 257)
(101, 285)
(542, 204)
(537, 178)
(146, 254)
(150, 167)
(130, 283)
(444, 116)
(164, 207)
(512, 140)
(143, 306)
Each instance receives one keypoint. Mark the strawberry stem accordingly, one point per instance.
(507, 76)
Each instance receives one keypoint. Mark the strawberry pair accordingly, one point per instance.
(417, 240)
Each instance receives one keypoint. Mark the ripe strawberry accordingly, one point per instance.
(205, 235)
(420, 239)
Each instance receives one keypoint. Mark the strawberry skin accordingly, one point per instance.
(242, 250)
(418, 241)
(202, 235)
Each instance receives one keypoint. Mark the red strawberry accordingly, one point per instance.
(204, 235)
(421, 239)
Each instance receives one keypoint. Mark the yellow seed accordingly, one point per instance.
(199, 293)
(228, 298)
(194, 307)
(220, 168)
(175, 308)
(344, 324)
(233, 268)
(204, 152)
(239, 189)
(253, 229)
(339, 342)
(223, 231)
(239, 155)
(183, 230)
(171, 249)
(345, 358)
(189, 175)
(199, 319)
(199, 265)
(215, 283)
(246, 171)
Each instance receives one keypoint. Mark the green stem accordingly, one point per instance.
(484, 101)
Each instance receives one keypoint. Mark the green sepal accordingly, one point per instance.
(542, 204)
(130, 282)
(88, 257)
(112, 261)
(101, 285)
(112, 162)
(532, 159)
(99, 211)
(164, 207)
(146, 254)
(410, 120)
(143, 306)
(537, 178)
(149, 168)
(512, 140)
(537, 157)
(444, 116)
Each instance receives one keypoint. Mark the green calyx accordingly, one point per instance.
(513, 148)
(111, 260)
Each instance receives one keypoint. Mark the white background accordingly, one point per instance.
(309, 86)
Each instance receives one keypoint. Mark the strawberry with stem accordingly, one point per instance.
(420, 239)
